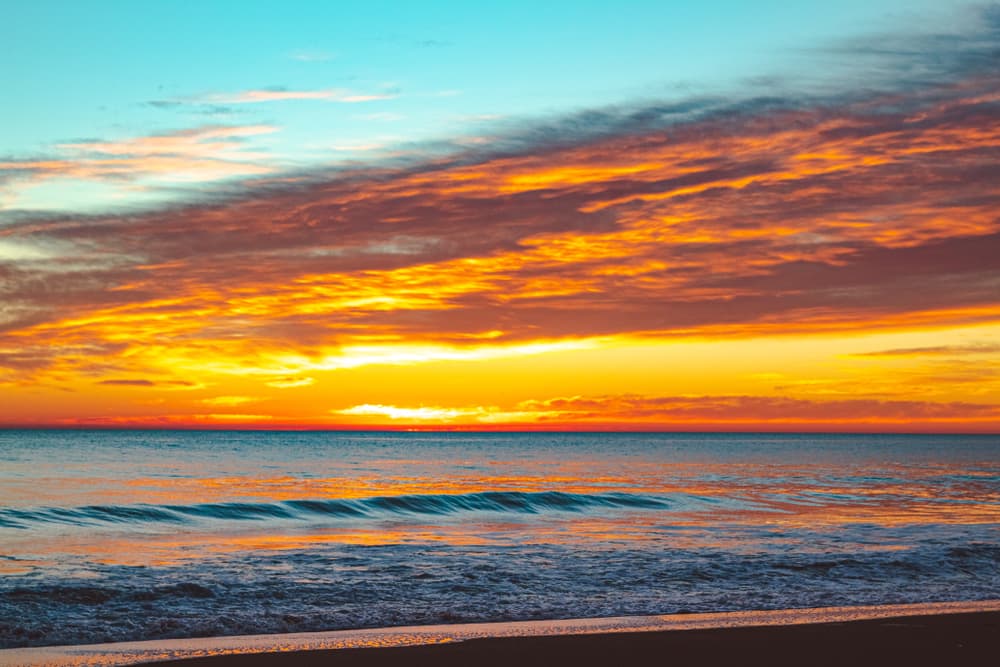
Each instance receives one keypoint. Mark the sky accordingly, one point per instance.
(648, 216)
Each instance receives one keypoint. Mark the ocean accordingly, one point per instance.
(127, 535)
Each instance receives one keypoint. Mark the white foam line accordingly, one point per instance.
(130, 653)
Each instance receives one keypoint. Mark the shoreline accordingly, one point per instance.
(915, 641)
(968, 625)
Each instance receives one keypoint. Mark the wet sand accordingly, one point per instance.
(947, 639)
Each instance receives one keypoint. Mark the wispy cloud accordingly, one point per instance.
(637, 411)
(20, 252)
(210, 140)
(229, 401)
(937, 350)
(358, 147)
(206, 153)
(128, 383)
(728, 408)
(290, 382)
(143, 382)
(278, 94)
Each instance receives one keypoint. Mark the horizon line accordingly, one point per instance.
(463, 429)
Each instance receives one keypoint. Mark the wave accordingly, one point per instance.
(310, 509)
(335, 586)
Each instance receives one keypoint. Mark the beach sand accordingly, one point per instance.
(950, 639)
(939, 633)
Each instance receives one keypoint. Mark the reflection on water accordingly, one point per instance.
(183, 533)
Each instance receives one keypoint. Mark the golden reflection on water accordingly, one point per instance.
(687, 530)
(572, 477)
(218, 489)
(701, 495)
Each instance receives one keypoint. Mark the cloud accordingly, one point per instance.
(278, 94)
(198, 420)
(421, 413)
(704, 217)
(937, 350)
(722, 409)
(927, 58)
(128, 383)
(697, 412)
(357, 147)
(206, 153)
(142, 382)
(437, 414)
(236, 417)
(21, 361)
(229, 401)
(19, 252)
(209, 140)
(290, 382)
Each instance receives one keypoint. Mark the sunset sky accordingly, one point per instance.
(514, 215)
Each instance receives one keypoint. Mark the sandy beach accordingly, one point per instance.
(955, 639)
(959, 633)
(958, 639)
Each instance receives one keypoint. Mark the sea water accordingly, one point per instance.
(126, 535)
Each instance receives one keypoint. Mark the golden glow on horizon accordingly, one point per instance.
(781, 383)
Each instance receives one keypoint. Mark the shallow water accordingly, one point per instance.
(113, 535)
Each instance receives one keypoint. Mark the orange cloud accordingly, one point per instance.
(864, 215)
(695, 413)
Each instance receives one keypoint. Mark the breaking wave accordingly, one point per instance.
(311, 509)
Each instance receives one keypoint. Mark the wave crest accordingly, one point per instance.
(519, 502)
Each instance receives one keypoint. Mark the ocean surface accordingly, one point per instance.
(127, 535)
